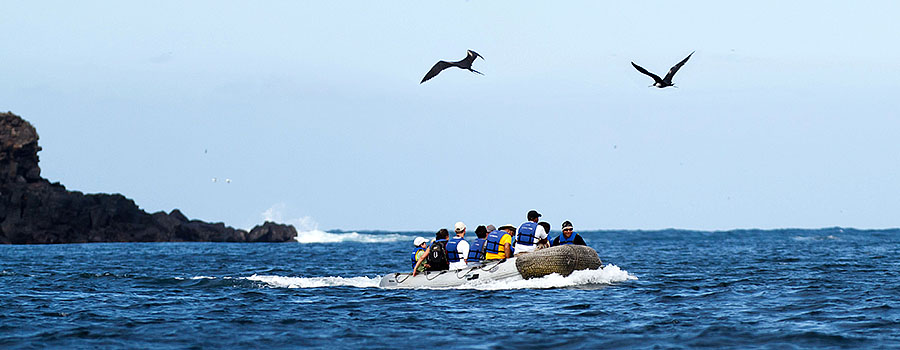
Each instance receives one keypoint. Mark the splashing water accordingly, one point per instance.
(316, 236)
(315, 282)
(308, 230)
(607, 275)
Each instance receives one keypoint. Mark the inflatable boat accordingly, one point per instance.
(562, 260)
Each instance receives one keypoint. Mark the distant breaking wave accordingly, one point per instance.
(316, 236)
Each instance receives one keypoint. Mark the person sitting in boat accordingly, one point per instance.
(458, 248)
(498, 244)
(435, 258)
(529, 233)
(476, 249)
(568, 236)
(421, 246)
(544, 243)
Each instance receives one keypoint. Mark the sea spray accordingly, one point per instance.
(315, 282)
(585, 278)
(316, 236)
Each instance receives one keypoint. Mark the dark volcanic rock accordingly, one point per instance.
(272, 232)
(33, 210)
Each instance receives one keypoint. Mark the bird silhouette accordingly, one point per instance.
(667, 81)
(465, 63)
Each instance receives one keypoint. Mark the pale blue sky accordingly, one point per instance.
(786, 115)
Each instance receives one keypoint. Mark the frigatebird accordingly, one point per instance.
(465, 63)
(667, 81)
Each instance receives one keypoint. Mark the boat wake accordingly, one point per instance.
(579, 279)
(315, 282)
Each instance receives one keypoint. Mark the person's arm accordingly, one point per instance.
(579, 240)
(464, 252)
(420, 260)
(508, 249)
(540, 233)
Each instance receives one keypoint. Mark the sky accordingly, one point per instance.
(786, 116)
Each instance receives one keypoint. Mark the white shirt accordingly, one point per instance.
(539, 234)
(463, 248)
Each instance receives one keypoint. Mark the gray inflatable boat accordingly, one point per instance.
(562, 260)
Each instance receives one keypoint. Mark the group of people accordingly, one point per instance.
(445, 253)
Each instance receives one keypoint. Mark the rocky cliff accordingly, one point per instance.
(34, 211)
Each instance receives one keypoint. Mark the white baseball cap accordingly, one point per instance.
(508, 225)
(459, 227)
(419, 240)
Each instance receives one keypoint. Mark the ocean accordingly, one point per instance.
(829, 288)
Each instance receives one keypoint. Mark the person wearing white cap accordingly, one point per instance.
(458, 248)
(421, 245)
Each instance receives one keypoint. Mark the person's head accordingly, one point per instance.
(508, 228)
(481, 231)
(491, 228)
(533, 215)
(420, 242)
(460, 228)
(567, 228)
(442, 234)
(545, 225)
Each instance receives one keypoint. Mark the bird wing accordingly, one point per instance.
(467, 62)
(674, 69)
(642, 70)
(437, 68)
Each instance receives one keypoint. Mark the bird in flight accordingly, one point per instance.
(667, 81)
(465, 63)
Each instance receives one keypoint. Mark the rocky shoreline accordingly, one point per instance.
(35, 211)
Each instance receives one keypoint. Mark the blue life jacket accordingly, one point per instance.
(452, 253)
(418, 249)
(492, 243)
(476, 253)
(525, 234)
(563, 240)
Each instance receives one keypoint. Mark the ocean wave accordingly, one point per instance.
(316, 236)
(198, 278)
(814, 238)
(315, 282)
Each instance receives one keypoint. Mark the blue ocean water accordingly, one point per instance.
(828, 288)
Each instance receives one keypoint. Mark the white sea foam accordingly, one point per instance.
(607, 275)
(198, 278)
(814, 238)
(203, 278)
(308, 229)
(316, 236)
(315, 282)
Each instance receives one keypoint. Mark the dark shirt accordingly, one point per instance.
(577, 241)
